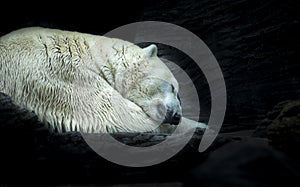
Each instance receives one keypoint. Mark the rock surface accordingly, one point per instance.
(36, 157)
(282, 126)
(247, 162)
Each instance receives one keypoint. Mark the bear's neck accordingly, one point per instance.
(122, 65)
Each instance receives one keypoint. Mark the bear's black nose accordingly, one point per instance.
(176, 119)
(173, 119)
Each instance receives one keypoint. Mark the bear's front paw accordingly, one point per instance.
(202, 126)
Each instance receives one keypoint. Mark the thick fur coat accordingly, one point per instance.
(82, 82)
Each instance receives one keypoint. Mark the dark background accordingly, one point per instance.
(256, 42)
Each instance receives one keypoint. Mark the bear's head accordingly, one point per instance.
(157, 91)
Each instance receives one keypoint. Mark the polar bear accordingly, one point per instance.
(94, 84)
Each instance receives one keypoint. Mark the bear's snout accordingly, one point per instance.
(173, 112)
(172, 118)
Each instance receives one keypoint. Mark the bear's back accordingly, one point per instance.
(38, 64)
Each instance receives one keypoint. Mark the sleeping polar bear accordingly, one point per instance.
(93, 84)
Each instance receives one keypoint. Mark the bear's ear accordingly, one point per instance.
(151, 50)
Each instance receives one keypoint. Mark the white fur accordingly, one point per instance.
(79, 82)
